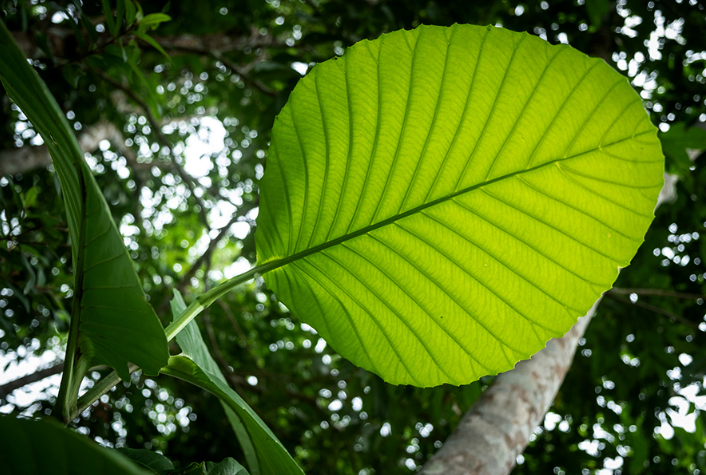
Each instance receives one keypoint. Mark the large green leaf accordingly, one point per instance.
(41, 447)
(273, 458)
(440, 202)
(112, 322)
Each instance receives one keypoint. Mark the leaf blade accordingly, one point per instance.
(462, 162)
(273, 457)
(115, 323)
(248, 427)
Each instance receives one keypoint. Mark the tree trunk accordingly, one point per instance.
(28, 158)
(497, 428)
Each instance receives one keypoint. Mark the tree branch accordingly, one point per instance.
(28, 158)
(7, 388)
(242, 73)
(654, 309)
(219, 42)
(235, 380)
(236, 326)
(205, 258)
(61, 46)
(657, 293)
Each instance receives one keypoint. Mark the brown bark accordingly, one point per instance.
(28, 158)
(61, 41)
(218, 42)
(7, 388)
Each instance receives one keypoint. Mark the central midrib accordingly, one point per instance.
(277, 263)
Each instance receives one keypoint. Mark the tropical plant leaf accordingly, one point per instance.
(272, 456)
(438, 203)
(40, 447)
(192, 345)
(112, 322)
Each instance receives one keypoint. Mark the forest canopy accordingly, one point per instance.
(174, 118)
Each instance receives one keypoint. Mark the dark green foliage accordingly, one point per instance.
(35, 447)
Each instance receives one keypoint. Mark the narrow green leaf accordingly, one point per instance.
(119, 14)
(30, 198)
(108, 13)
(140, 14)
(72, 74)
(129, 12)
(154, 19)
(78, 34)
(192, 345)
(41, 447)
(112, 322)
(90, 29)
(151, 99)
(438, 203)
(151, 41)
(273, 458)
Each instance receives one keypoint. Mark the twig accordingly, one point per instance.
(205, 258)
(236, 326)
(235, 380)
(657, 292)
(228, 63)
(7, 388)
(241, 72)
(654, 309)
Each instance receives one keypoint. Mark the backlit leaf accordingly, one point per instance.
(440, 202)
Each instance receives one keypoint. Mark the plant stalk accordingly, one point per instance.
(74, 366)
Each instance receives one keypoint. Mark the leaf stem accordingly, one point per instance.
(205, 300)
(74, 369)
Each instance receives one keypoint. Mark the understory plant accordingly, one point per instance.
(438, 203)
